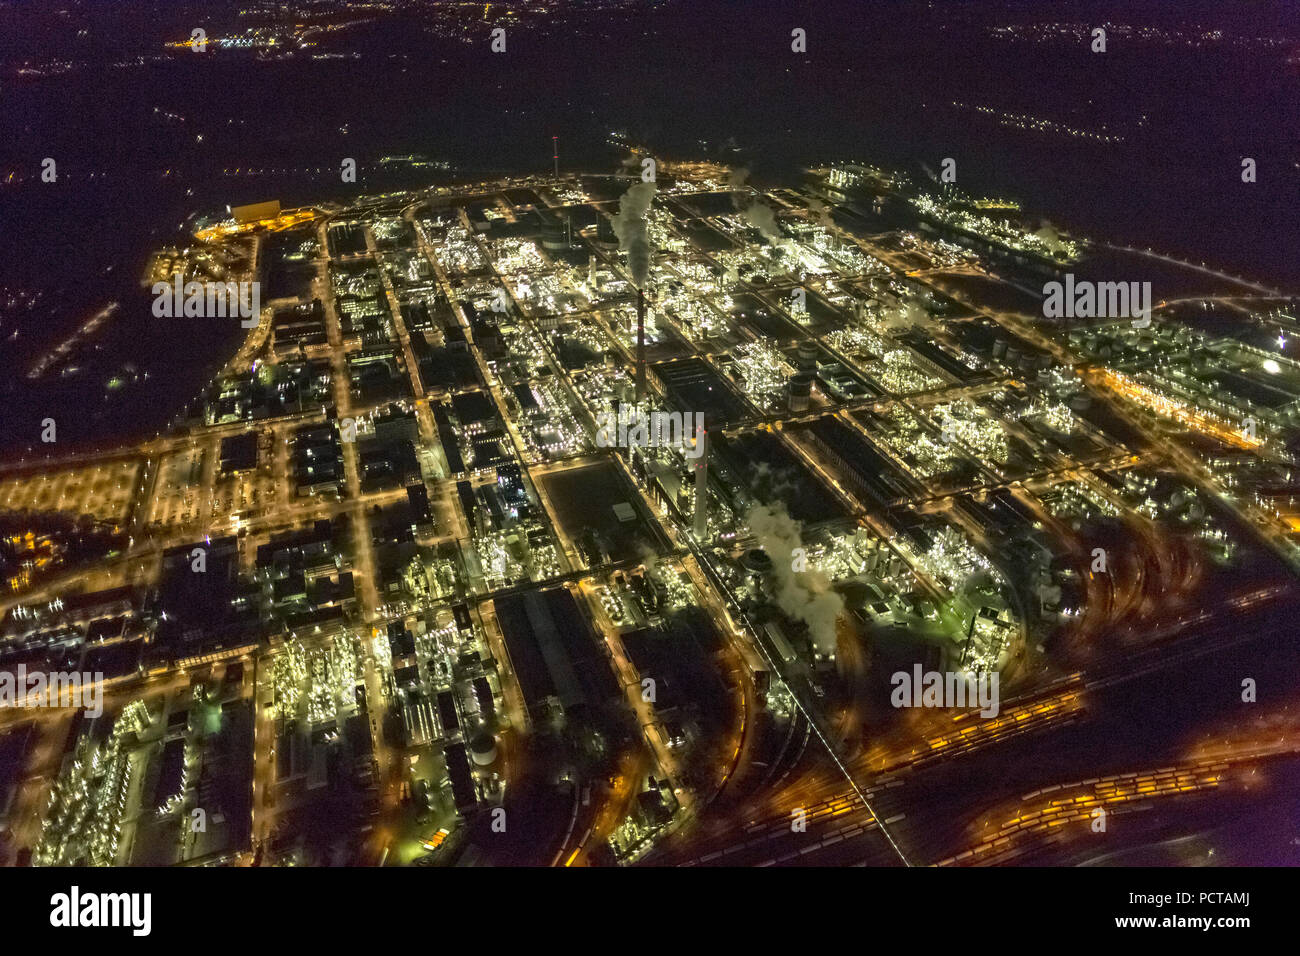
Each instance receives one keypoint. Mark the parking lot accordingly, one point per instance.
(177, 494)
(104, 491)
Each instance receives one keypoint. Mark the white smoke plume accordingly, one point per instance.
(759, 214)
(762, 218)
(1050, 236)
(649, 557)
(822, 212)
(770, 483)
(805, 595)
(630, 227)
(903, 317)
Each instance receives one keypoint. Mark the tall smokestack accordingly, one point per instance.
(640, 345)
(634, 239)
(702, 481)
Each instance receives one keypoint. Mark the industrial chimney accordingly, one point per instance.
(640, 345)
(701, 480)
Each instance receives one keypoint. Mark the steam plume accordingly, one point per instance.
(759, 214)
(822, 212)
(804, 595)
(630, 227)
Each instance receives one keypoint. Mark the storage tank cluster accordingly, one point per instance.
(879, 559)
(870, 551)
(1013, 356)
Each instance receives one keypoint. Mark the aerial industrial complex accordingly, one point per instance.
(589, 519)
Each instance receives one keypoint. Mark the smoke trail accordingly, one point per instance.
(759, 214)
(762, 218)
(806, 595)
(1051, 237)
(773, 483)
(630, 227)
(902, 316)
(822, 212)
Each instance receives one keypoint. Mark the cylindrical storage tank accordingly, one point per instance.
(553, 237)
(800, 387)
(483, 749)
(757, 561)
